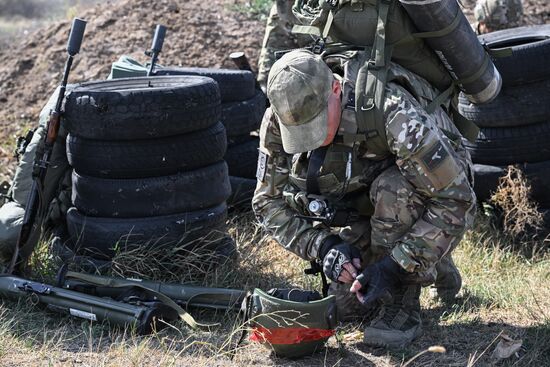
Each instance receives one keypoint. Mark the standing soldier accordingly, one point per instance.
(400, 210)
(492, 15)
(278, 36)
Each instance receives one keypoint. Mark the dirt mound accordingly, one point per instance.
(200, 33)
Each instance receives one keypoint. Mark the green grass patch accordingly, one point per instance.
(258, 9)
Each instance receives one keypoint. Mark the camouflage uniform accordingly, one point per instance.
(498, 14)
(422, 193)
(278, 37)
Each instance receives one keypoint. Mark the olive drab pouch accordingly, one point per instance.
(127, 67)
(292, 322)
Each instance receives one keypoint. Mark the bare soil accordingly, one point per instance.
(200, 33)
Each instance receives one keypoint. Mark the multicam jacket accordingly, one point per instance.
(426, 148)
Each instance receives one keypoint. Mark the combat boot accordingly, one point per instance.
(448, 281)
(398, 323)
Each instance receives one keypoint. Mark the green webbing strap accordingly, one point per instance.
(307, 29)
(123, 283)
(380, 38)
(478, 73)
(328, 24)
(371, 86)
(467, 128)
(350, 138)
(442, 32)
(441, 98)
(499, 52)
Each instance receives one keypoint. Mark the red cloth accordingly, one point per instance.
(289, 335)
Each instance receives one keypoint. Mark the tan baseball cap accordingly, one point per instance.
(298, 87)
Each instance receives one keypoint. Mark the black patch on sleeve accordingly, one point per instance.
(435, 156)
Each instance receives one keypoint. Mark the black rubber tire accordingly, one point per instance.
(149, 157)
(240, 139)
(486, 180)
(538, 175)
(515, 106)
(503, 146)
(130, 198)
(530, 53)
(235, 85)
(240, 118)
(141, 108)
(242, 191)
(102, 237)
(242, 159)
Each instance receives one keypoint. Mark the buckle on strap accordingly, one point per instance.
(318, 47)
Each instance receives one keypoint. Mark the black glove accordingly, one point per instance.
(334, 253)
(379, 280)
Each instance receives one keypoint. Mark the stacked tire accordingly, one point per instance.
(148, 165)
(515, 127)
(242, 109)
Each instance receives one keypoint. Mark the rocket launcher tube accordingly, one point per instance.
(141, 317)
(447, 31)
(216, 298)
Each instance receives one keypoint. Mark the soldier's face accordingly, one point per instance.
(334, 112)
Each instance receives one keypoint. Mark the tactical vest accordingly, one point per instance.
(352, 161)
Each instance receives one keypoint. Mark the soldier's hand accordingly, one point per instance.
(341, 261)
(377, 281)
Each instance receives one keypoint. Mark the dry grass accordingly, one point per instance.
(512, 196)
(504, 291)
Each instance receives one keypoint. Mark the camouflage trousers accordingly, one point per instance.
(278, 37)
(396, 208)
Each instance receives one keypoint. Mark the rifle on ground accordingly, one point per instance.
(143, 316)
(183, 295)
(156, 47)
(35, 207)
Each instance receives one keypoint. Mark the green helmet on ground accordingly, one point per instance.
(292, 322)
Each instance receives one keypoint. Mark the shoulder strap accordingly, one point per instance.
(316, 160)
(122, 283)
(371, 85)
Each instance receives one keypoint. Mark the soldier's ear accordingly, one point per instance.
(336, 88)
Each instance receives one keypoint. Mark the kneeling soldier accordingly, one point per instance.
(380, 221)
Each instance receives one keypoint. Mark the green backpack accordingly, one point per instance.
(383, 28)
(355, 22)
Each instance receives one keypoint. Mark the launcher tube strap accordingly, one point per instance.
(122, 283)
